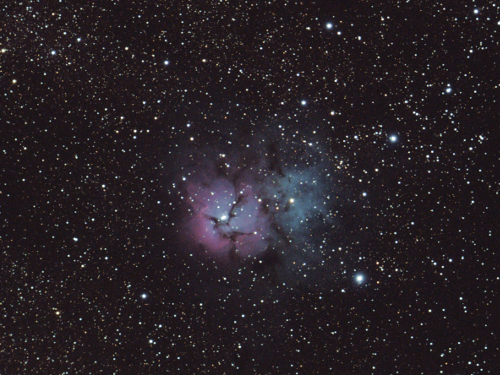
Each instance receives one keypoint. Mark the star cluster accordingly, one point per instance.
(251, 187)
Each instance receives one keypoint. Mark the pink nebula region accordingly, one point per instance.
(227, 219)
(260, 202)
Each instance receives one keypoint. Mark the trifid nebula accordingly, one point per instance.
(250, 187)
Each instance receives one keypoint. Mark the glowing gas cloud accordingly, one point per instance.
(266, 200)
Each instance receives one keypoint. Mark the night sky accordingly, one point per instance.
(249, 187)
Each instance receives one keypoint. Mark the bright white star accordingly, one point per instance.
(359, 278)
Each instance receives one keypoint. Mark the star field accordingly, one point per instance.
(249, 187)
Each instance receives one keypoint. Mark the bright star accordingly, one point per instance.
(359, 278)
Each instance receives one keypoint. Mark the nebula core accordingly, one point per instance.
(266, 200)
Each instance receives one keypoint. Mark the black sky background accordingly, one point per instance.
(95, 277)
